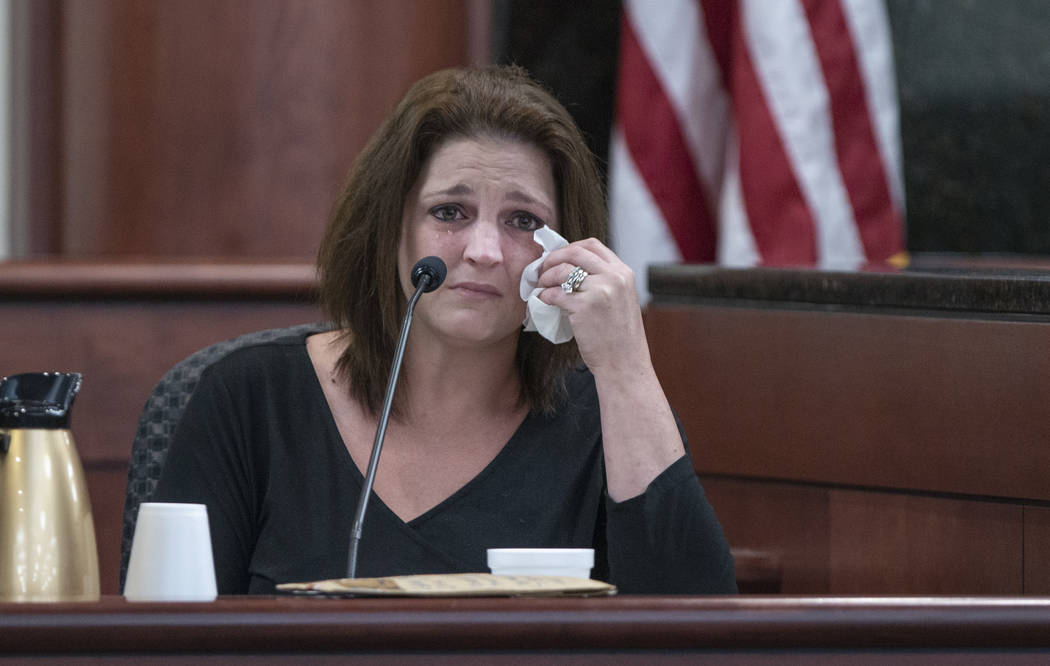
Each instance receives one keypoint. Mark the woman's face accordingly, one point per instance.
(476, 205)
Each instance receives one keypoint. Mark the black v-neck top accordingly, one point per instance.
(258, 445)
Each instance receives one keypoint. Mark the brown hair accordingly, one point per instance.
(357, 262)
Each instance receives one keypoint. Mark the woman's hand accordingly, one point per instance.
(639, 435)
(604, 312)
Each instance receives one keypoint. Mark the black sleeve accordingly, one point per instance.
(667, 540)
(209, 462)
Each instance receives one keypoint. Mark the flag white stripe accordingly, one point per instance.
(791, 78)
(673, 38)
(672, 35)
(870, 29)
(639, 234)
(736, 243)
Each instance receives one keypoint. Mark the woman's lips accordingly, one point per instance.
(479, 289)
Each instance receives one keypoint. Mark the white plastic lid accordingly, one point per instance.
(511, 558)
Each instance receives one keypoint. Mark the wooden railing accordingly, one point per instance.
(601, 630)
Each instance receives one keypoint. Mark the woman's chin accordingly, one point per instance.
(474, 331)
(471, 324)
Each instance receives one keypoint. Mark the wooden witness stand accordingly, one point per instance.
(861, 434)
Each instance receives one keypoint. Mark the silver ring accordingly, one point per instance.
(576, 277)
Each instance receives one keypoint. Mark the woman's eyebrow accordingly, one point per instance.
(456, 190)
(523, 197)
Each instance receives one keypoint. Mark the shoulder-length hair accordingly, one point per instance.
(359, 287)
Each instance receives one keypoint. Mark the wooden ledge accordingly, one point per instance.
(161, 277)
(113, 626)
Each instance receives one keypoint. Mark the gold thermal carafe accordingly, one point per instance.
(47, 535)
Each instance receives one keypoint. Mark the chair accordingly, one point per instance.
(161, 415)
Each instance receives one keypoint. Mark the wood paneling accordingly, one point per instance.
(1037, 550)
(62, 279)
(226, 127)
(787, 521)
(933, 403)
(36, 119)
(123, 326)
(122, 348)
(107, 484)
(907, 544)
(886, 434)
(860, 542)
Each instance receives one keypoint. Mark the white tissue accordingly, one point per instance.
(550, 321)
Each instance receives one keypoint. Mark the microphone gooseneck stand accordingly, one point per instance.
(427, 275)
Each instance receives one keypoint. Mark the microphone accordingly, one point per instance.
(429, 267)
(427, 275)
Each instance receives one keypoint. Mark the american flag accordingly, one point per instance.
(756, 132)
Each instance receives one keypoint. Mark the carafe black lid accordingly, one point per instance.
(38, 399)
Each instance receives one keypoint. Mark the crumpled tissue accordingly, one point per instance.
(550, 321)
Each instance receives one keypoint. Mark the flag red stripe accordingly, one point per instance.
(783, 229)
(780, 219)
(718, 18)
(659, 150)
(860, 162)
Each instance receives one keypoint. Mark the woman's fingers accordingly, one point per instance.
(589, 254)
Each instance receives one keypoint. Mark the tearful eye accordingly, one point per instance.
(525, 221)
(447, 213)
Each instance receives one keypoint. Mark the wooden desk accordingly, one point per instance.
(615, 630)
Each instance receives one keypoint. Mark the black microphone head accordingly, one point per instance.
(433, 268)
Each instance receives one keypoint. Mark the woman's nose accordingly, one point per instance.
(483, 243)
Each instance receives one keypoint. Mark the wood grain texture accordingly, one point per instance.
(123, 325)
(107, 483)
(122, 347)
(907, 544)
(60, 279)
(215, 128)
(878, 453)
(36, 118)
(1037, 550)
(602, 630)
(835, 541)
(905, 402)
(786, 521)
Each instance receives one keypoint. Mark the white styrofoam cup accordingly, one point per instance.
(171, 557)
